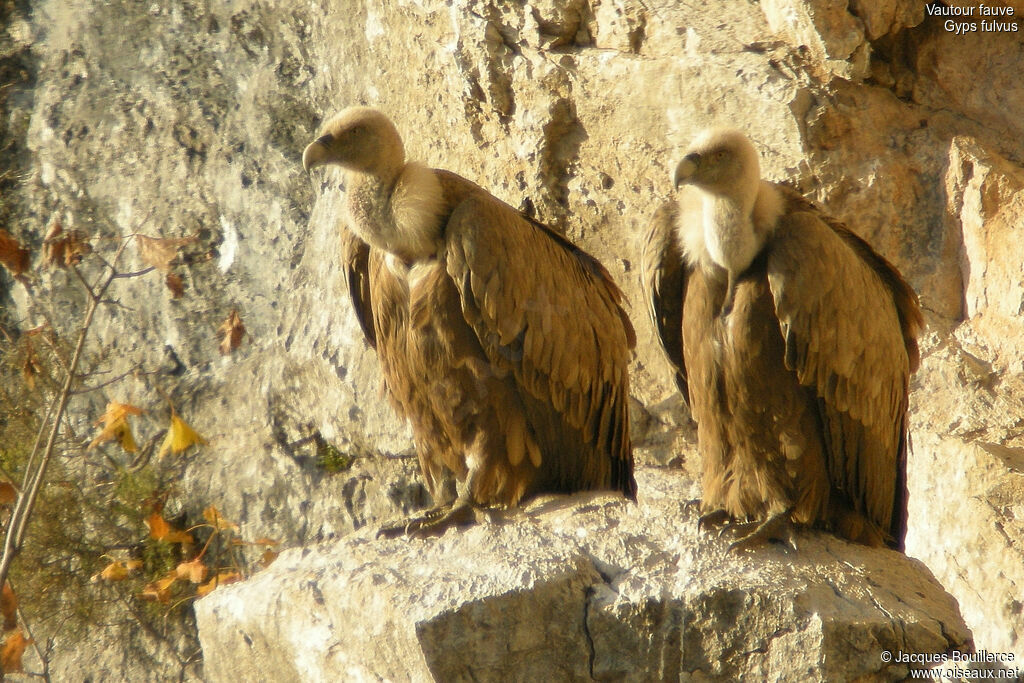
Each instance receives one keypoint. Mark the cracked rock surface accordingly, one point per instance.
(188, 117)
(579, 588)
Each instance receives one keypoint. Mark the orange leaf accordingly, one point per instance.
(159, 252)
(160, 590)
(118, 570)
(116, 426)
(221, 579)
(175, 284)
(8, 493)
(230, 332)
(11, 652)
(179, 437)
(8, 606)
(12, 255)
(213, 516)
(194, 571)
(160, 530)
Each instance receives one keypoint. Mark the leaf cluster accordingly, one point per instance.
(99, 549)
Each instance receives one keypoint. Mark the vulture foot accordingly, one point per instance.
(778, 527)
(432, 523)
(716, 519)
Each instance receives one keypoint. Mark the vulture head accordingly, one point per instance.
(358, 139)
(720, 161)
(392, 205)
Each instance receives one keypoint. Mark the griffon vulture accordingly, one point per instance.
(792, 341)
(503, 344)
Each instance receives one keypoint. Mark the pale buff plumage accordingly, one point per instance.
(793, 342)
(504, 345)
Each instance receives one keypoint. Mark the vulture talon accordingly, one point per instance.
(433, 522)
(715, 519)
(778, 528)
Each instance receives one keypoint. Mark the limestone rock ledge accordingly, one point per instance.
(579, 588)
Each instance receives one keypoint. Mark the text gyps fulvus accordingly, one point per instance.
(502, 343)
(792, 341)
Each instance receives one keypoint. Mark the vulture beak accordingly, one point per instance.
(686, 169)
(316, 152)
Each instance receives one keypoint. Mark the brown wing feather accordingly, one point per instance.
(911, 320)
(665, 277)
(355, 257)
(554, 320)
(846, 335)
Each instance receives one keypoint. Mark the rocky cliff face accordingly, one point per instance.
(596, 588)
(189, 118)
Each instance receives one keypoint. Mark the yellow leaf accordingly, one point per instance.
(115, 421)
(221, 579)
(160, 530)
(11, 652)
(160, 590)
(194, 571)
(179, 437)
(213, 516)
(118, 570)
(124, 435)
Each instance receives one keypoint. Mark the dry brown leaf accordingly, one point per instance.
(175, 284)
(11, 652)
(160, 252)
(220, 579)
(116, 426)
(213, 516)
(179, 437)
(268, 557)
(230, 333)
(160, 530)
(8, 606)
(31, 365)
(194, 571)
(8, 493)
(160, 590)
(64, 250)
(12, 256)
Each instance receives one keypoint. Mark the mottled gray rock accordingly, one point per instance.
(585, 588)
(181, 118)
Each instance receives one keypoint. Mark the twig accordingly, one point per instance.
(15, 535)
(86, 390)
(135, 273)
(85, 283)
